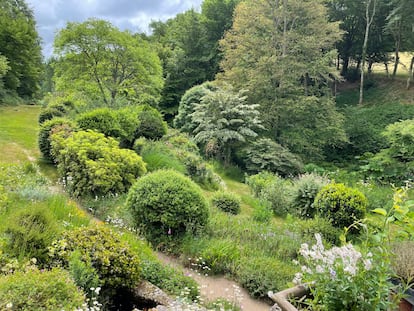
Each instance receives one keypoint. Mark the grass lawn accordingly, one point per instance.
(18, 133)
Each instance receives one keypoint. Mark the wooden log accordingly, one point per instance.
(282, 298)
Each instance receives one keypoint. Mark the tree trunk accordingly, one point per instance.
(369, 18)
(397, 60)
(387, 71)
(410, 73)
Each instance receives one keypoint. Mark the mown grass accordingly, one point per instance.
(18, 133)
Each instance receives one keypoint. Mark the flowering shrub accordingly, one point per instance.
(343, 278)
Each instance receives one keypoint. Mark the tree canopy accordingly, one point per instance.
(97, 59)
(20, 47)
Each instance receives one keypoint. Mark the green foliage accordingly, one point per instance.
(30, 232)
(166, 205)
(46, 131)
(102, 249)
(191, 98)
(48, 113)
(223, 121)
(82, 272)
(266, 155)
(262, 213)
(263, 274)
(20, 45)
(227, 202)
(259, 181)
(97, 59)
(276, 195)
(157, 155)
(102, 120)
(39, 290)
(307, 228)
(92, 164)
(304, 190)
(400, 136)
(150, 124)
(170, 280)
(340, 204)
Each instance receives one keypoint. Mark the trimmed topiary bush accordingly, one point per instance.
(45, 133)
(36, 290)
(102, 120)
(304, 190)
(340, 204)
(166, 205)
(92, 164)
(50, 112)
(227, 202)
(150, 123)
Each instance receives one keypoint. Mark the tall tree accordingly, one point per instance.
(96, 58)
(20, 44)
(282, 51)
(370, 11)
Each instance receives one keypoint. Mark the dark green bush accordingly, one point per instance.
(266, 155)
(51, 112)
(304, 190)
(102, 248)
(102, 120)
(341, 205)
(227, 202)
(36, 290)
(29, 234)
(165, 205)
(46, 130)
(150, 123)
(91, 164)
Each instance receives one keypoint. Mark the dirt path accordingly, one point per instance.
(212, 287)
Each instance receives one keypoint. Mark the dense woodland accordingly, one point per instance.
(227, 137)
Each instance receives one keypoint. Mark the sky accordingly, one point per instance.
(135, 15)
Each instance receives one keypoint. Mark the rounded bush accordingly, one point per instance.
(114, 263)
(166, 205)
(92, 164)
(150, 124)
(340, 204)
(102, 120)
(40, 290)
(305, 188)
(227, 202)
(44, 138)
(51, 112)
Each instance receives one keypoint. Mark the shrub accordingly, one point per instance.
(403, 260)
(304, 190)
(259, 275)
(92, 164)
(39, 290)
(266, 155)
(307, 228)
(46, 130)
(29, 234)
(51, 112)
(340, 204)
(259, 181)
(102, 248)
(165, 205)
(102, 120)
(276, 195)
(150, 123)
(139, 144)
(227, 202)
(262, 213)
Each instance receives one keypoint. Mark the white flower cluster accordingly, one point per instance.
(322, 261)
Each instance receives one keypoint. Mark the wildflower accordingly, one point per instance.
(169, 231)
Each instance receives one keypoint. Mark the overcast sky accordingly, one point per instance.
(135, 15)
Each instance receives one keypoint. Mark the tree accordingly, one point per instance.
(96, 58)
(223, 121)
(20, 44)
(370, 11)
(282, 52)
